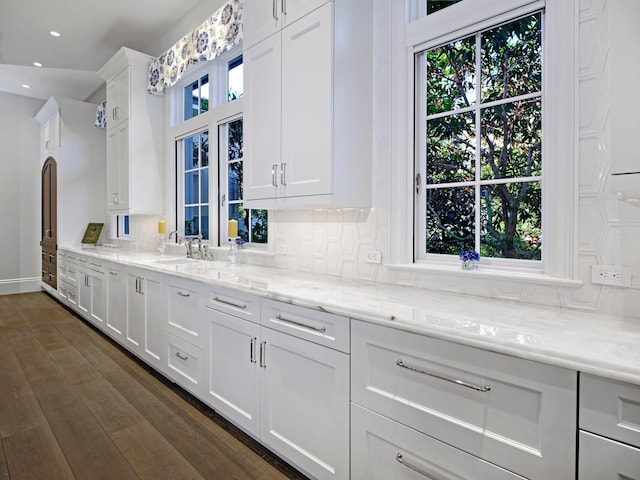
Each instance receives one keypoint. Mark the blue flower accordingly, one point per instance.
(469, 256)
(203, 40)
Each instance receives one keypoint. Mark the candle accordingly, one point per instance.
(162, 227)
(233, 228)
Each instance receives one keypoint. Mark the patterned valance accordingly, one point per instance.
(101, 118)
(219, 33)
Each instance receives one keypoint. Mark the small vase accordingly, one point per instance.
(469, 265)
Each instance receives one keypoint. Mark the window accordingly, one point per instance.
(193, 187)
(235, 79)
(120, 226)
(481, 142)
(252, 223)
(459, 176)
(196, 97)
(207, 109)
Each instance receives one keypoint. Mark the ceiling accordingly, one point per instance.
(91, 32)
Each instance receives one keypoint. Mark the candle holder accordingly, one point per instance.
(162, 243)
(233, 250)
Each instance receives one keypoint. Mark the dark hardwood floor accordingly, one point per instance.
(73, 404)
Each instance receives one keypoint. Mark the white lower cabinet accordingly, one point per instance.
(602, 458)
(291, 393)
(116, 280)
(382, 449)
(185, 364)
(514, 413)
(92, 292)
(609, 438)
(145, 318)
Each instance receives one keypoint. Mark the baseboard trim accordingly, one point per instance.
(20, 285)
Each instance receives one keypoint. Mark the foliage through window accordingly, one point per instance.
(481, 142)
(196, 98)
(235, 79)
(252, 223)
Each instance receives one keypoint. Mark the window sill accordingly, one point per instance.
(480, 273)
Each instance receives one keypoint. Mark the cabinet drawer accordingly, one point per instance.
(601, 458)
(386, 450)
(317, 327)
(186, 310)
(514, 413)
(68, 292)
(233, 302)
(186, 364)
(610, 408)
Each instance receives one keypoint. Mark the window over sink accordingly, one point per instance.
(206, 111)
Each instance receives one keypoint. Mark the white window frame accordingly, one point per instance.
(559, 125)
(220, 112)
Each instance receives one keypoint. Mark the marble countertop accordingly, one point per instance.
(594, 343)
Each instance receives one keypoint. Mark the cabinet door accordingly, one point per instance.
(84, 293)
(601, 458)
(118, 168)
(98, 312)
(262, 118)
(233, 368)
(261, 19)
(116, 293)
(386, 450)
(305, 403)
(118, 98)
(154, 320)
(293, 10)
(134, 325)
(307, 107)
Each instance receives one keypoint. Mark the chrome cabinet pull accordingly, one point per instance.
(402, 461)
(263, 354)
(283, 173)
(275, 9)
(300, 324)
(113, 273)
(274, 169)
(232, 304)
(182, 357)
(252, 350)
(141, 292)
(81, 260)
(96, 265)
(284, 6)
(484, 388)
(182, 294)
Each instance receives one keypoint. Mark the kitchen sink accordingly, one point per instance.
(174, 261)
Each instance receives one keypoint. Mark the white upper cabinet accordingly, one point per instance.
(118, 90)
(134, 136)
(308, 122)
(263, 17)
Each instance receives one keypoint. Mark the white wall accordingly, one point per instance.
(19, 194)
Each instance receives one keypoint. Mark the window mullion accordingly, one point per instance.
(478, 159)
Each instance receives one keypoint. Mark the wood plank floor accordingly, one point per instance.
(73, 404)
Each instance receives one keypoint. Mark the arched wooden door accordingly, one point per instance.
(49, 222)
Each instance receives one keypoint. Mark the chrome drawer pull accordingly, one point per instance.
(96, 265)
(182, 294)
(484, 388)
(252, 350)
(82, 260)
(218, 299)
(402, 461)
(263, 354)
(300, 324)
(182, 357)
(113, 273)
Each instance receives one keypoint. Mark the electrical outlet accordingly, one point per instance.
(611, 275)
(373, 256)
(281, 249)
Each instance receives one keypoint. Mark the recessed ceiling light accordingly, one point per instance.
(24, 85)
(54, 34)
(37, 64)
